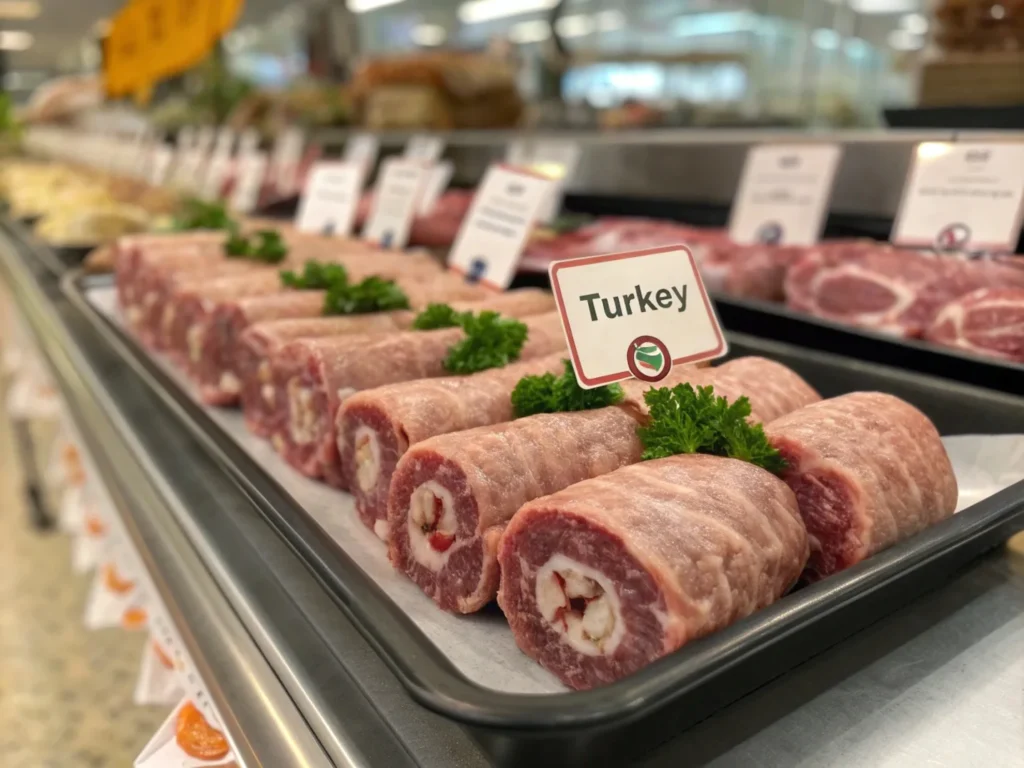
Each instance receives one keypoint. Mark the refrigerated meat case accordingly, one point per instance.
(933, 672)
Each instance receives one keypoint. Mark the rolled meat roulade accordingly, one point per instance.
(220, 383)
(332, 369)
(605, 576)
(452, 495)
(376, 427)
(868, 470)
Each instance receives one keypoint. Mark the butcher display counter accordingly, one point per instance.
(299, 681)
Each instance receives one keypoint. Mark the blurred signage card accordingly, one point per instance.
(784, 193)
(252, 171)
(219, 165)
(963, 197)
(396, 200)
(438, 177)
(161, 158)
(635, 314)
(362, 148)
(286, 159)
(331, 198)
(555, 158)
(505, 209)
(205, 137)
(425, 147)
(248, 142)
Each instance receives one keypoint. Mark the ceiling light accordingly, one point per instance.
(825, 39)
(914, 23)
(365, 6)
(857, 47)
(902, 40)
(609, 21)
(18, 9)
(478, 11)
(884, 6)
(529, 32)
(15, 40)
(428, 34)
(575, 26)
(997, 12)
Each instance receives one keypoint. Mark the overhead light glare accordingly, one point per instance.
(19, 9)
(914, 23)
(15, 40)
(529, 32)
(884, 6)
(578, 25)
(365, 6)
(902, 40)
(609, 21)
(428, 34)
(478, 11)
(825, 39)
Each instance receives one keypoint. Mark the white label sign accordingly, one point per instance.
(188, 169)
(491, 239)
(395, 202)
(252, 170)
(362, 149)
(437, 182)
(248, 142)
(205, 137)
(963, 197)
(329, 204)
(287, 156)
(217, 171)
(160, 159)
(635, 315)
(783, 194)
(424, 147)
(557, 159)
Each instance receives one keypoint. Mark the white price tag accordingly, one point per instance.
(186, 138)
(498, 224)
(362, 149)
(395, 202)
(635, 315)
(205, 137)
(286, 158)
(783, 194)
(248, 142)
(424, 147)
(252, 170)
(160, 160)
(225, 143)
(331, 198)
(217, 171)
(438, 178)
(163, 750)
(188, 168)
(961, 197)
(555, 158)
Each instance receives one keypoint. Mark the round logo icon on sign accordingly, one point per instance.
(648, 359)
(477, 270)
(769, 233)
(953, 237)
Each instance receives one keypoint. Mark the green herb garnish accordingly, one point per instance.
(266, 246)
(553, 394)
(437, 316)
(315, 275)
(237, 245)
(688, 420)
(492, 341)
(198, 214)
(373, 294)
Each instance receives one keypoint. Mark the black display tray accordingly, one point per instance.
(617, 723)
(776, 321)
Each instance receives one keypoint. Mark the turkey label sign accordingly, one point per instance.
(635, 315)
(963, 197)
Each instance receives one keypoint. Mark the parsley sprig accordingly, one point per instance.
(688, 420)
(198, 214)
(374, 294)
(437, 316)
(266, 245)
(315, 275)
(548, 393)
(491, 341)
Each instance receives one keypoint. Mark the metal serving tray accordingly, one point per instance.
(607, 725)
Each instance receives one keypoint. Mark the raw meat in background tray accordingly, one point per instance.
(435, 229)
(868, 470)
(320, 373)
(452, 495)
(989, 321)
(264, 400)
(603, 577)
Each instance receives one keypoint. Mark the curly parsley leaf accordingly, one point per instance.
(237, 245)
(491, 341)
(315, 275)
(554, 394)
(269, 247)
(437, 316)
(198, 214)
(374, 294)
(688, 420)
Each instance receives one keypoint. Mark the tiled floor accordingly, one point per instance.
(65, 692)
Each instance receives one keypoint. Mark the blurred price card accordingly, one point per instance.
(286, 158)
(504, 211)
(252, 171)
(331, 198)
(437, 182)
(396, 198)
(557, 159)
(963, 197)
(424, 147)
(362, 148)
(783, 194)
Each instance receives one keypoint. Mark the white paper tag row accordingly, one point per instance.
(158, 683)
(249, 178)
(490, 242)
(164, 750)
(424, 147)
(635, 315)
(362, 149)
(331, 198)
(557, 159)
(963, 197)
(396, 200)
(113, 592)
(783, 194)
(438, 178)
(287, 157)
(161, 159)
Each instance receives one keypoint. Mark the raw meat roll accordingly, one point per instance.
(606, 576)
(868, 470)
(987, 322)
(376, 427)
(332, 369)
(452, 495)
